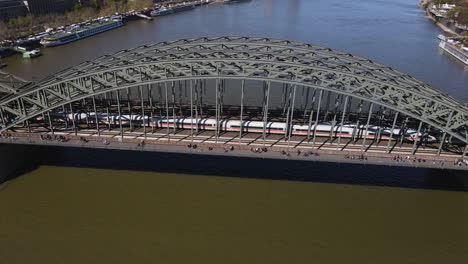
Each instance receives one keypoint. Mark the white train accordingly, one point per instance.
(323, 129)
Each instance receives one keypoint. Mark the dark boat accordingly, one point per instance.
(234, 1)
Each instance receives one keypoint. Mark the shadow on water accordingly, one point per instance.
(16, 160)
(257, 168)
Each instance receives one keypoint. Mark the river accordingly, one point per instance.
(151, 208)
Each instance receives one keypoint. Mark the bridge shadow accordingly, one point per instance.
(256, 168)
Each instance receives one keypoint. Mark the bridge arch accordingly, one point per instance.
(241, 58)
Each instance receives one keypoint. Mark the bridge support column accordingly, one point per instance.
(149, 87)
(266, 99)
(120, 115)
(217, 109)
(241, 125)
(367, 126)
(317, 117)
(390, 138)
(143, 122)
(96, 116)
(292, 114)
(174, 125)
(197, 84)
(342, 120)
(311, 114)
(416, 139)
(73, 119)
(167, 112)
(107, 111)
(191, 112)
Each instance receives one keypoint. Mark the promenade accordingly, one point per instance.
(249, 146)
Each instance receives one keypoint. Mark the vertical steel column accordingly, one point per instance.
(390, 138)
(66, 119)
(292, 114)
(120, 115)
(241, 125)
(107, 111)
(191, 111)
(167, 113)
(129, 109)
(96, 116)
(265, 111)
(3, 118)
(403, 130)
(416, 138)
(317, 117)
(50, 122)
(445, 134)
(197, 84)
(142, 111)
(343, 119)
(287, 105)
(73, 119)
(333, 126)
(150, 97)
(216, 112)
(83, 102)
(173, 107)
(367, 126)
(311, 114)
(357, 129)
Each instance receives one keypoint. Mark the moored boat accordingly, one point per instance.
(167, 10)
(79, 32)
(455, 49)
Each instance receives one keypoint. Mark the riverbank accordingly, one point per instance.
(439, 24)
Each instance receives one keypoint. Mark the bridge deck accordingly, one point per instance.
(278, 147)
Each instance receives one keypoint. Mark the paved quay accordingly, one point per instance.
(234, 149)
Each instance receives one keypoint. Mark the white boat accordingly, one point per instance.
(456, 51)
(77, 32)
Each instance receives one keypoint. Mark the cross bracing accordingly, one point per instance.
(242, 58)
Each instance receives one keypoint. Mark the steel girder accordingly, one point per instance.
(247, 58)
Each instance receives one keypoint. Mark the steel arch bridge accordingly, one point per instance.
(242, 58)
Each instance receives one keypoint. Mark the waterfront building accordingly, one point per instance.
(12, 9)
(49, 6)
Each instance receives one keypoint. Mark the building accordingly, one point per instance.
(49, 6)
(12, 9)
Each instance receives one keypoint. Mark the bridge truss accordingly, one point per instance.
(384, 93)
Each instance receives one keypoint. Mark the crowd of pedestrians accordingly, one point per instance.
(356, 157)
(59, 138)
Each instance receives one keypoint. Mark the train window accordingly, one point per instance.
(235, 126)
